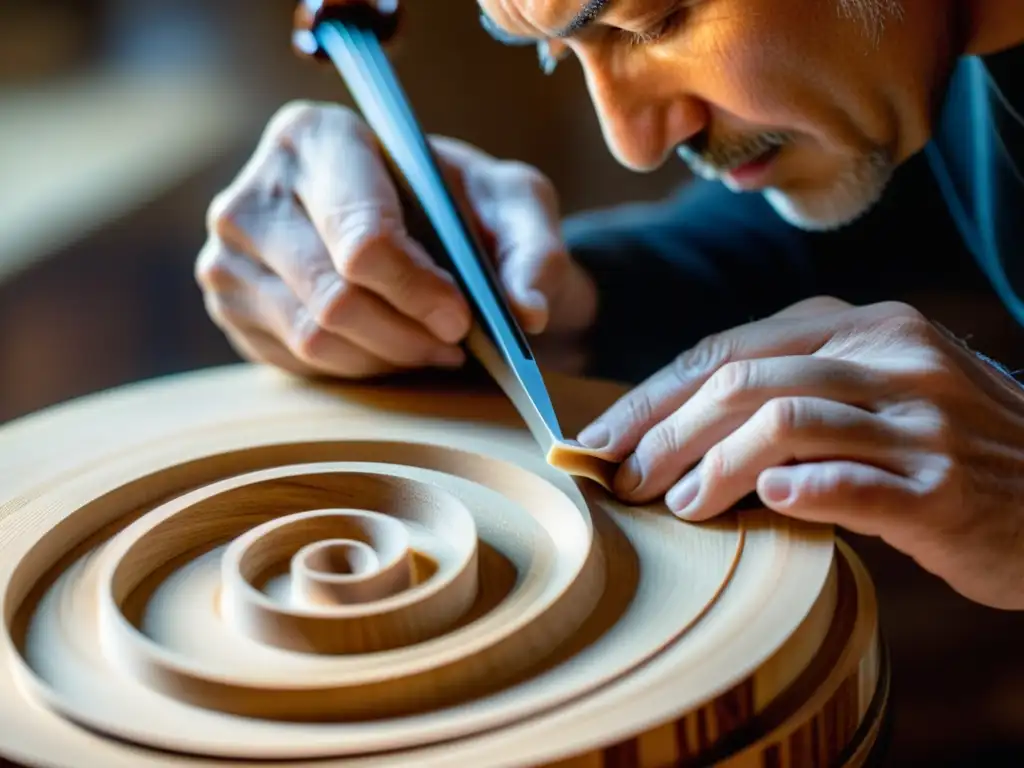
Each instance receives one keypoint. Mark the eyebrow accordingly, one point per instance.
(586, 16)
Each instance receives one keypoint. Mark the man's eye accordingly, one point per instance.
(659, 31)
(549, 55)
(665, 26)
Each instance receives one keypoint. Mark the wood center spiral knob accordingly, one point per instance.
(349, 570)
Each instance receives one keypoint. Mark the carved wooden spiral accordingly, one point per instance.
(235, 565)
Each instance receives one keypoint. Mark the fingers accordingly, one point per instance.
(266, 322)
(727, 400)
(308, 245)
(313, 344)
(260, 347)
(316, 208)
(533, 260)
(370, 323)
(859, 497)
(782, 432)
(291, 247)
(518, 208)
(534, 264)
(349, 196)
(618, 431)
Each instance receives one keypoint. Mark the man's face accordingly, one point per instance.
(811, 102)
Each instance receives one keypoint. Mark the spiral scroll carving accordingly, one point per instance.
(238, 566)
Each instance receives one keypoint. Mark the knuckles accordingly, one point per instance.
(358, 237)
(218, 210)
(905, 323)
(937, 378)
(714, 466)
(265, 183)
(829, 480)
(300, 119)
(895, 323)
(709, 353)
(782, 417)
(219, 310)
(914, 351)
(942, 437)
(308, 338)
(213, 269)
(662, 442)
(941, 476)
(333, 302)
(637, 409)
(289, 117)
(730, 383)
(897, 309)
(823, 303)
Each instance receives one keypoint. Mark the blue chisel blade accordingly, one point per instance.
(360, 59)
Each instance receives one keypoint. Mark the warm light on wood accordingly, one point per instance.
(239, 564)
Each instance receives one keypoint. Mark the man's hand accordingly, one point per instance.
(310, 265)
(871, 418)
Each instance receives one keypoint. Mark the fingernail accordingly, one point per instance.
(683, 494)
(628, 478)
(775, 487)
(449, 357)
(447, 324)
(595, 436)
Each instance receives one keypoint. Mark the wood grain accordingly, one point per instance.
(155, 560)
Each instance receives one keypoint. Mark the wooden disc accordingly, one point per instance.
(238, 565)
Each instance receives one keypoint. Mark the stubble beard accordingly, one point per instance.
(860, 186)
(862, 182)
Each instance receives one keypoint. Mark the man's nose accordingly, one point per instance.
(644, 110)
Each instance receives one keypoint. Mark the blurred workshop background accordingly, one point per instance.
(119, 121)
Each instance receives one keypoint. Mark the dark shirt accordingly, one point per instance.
(707, 259)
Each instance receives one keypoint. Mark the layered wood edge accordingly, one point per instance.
(831, 715)
(233, 566)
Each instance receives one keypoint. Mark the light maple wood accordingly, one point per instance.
(237, 564)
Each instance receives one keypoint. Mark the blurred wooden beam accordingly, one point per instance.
(81, 153)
